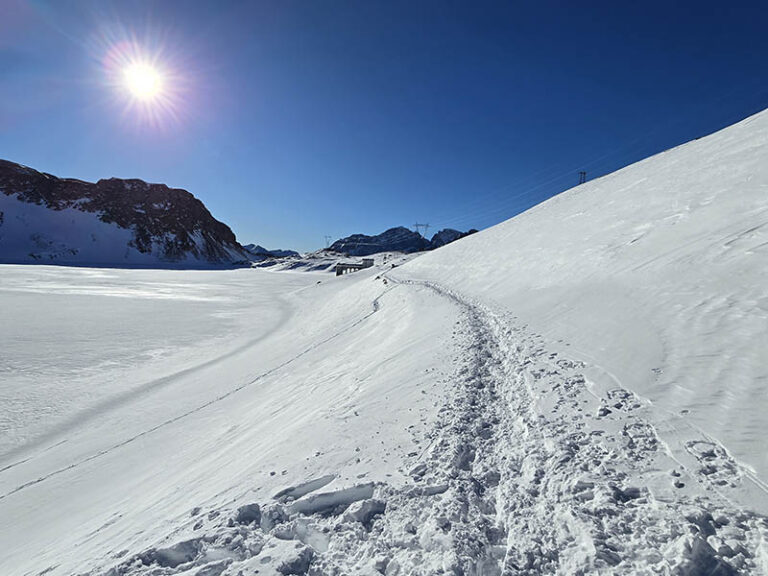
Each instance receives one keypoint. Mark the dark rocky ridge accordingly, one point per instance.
(399, 239)
(260, 252)
(170, 222)
(448, 235)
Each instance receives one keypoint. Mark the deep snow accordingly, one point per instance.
(581, 389)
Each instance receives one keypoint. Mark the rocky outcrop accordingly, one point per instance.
(260, 252)
(156, 224)
(398, 239)
(448, 235)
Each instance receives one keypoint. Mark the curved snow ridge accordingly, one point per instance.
(530, 469)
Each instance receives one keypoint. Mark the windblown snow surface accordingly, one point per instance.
(581, 389)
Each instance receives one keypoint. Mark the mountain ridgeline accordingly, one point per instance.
(260, 253)
(131, 223)
(399, 239)
(46, 219)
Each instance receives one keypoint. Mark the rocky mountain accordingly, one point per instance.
(46, 219)
(258, 251)
(399, 239)
(448, 235)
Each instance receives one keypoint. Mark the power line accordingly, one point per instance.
(425, 226)
(495, 202)
(499, 204)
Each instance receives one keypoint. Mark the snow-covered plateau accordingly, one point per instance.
(579, 390)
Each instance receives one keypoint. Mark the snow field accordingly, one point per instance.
(579, 390)
(528, 467)
(76, 341)
(349, 394)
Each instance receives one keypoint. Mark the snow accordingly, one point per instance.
(210, 434)
(34, 233)
(655, 276)
(325, 261)
(76, 340)
(580, 389)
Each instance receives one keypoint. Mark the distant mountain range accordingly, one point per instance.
(261, 252)
(399, 239)
(46, 219)
(128, 222)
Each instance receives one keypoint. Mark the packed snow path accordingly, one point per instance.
(529, 469)
(566, 478)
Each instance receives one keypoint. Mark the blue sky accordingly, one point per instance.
(293, 120)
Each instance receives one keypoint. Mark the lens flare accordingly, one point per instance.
(148, 77)
(143, 81)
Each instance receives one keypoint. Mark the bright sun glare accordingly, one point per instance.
(143, 81)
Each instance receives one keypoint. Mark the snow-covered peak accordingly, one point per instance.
(398, 239)
(112, 222)
(261, 252)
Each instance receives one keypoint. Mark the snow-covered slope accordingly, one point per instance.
(44, 219)
(561, 394)
(656, 275)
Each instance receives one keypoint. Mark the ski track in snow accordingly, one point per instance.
(530, 469)
(133, 394)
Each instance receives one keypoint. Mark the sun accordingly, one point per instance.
(143, 81)
(146, 81)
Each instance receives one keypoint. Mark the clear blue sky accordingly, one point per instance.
(293, 120)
